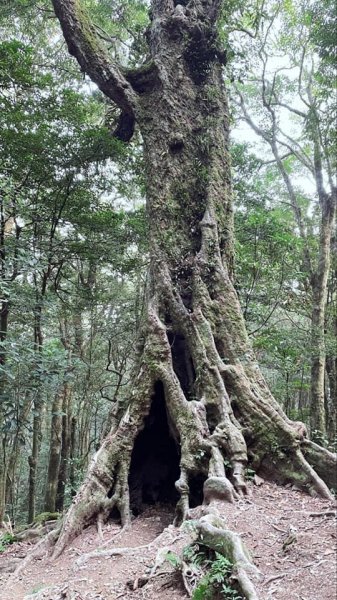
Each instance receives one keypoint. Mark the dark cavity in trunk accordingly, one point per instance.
(155, 459)
(182, 364)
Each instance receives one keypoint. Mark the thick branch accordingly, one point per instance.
(83, 43)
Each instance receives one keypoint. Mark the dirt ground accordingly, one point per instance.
(291, 542)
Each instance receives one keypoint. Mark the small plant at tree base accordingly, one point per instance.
(216, 583)
(5, 540)
(217, 569)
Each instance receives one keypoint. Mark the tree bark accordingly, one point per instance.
(65, 447)
(37, 405)
(4, 313)
(319, 282)
(55, 446)
(3, 457)
(193, 343)
(72, 456)
(15, 449)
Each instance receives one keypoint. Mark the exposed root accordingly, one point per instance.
(41, 547)
(274, 578)
(219, 488)
(212, 532)
(142, 581)
(99, 527)
(115, 536)
(110, 552)
(119, 551)
(214, 445)
(190, 575)
(322, 460)
(316, 485)
(106, 484)
(208, 530)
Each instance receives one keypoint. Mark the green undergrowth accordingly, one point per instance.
(215, 573)
(5, 540)
(46, 516)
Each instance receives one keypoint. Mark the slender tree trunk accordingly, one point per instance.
(4, 312)
(331, 360)
(55, 446)
(3, 473)
(72, 456)
(14, 454)
(331, 427)
(65, 447)
(319, 282)
(3, 440)
(37, 418)
(194, 354)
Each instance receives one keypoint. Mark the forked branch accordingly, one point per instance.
(85, 45)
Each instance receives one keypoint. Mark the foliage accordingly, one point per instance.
(5, 540)
(217, 570)
(270, 280)
(72, 230)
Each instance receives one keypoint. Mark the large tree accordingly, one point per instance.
(197, 390)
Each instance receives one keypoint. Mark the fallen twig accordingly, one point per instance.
(274, 577)
(278, 528)
(325, 513)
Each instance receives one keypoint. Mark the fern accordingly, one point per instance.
(216, 581)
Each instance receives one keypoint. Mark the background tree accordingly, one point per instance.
(56, 211)
(269, 281)
(285, 100)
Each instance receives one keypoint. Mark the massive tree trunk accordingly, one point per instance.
(197, 380)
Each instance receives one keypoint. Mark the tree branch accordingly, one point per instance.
(300, 113)
(272, 141)
(84, 44)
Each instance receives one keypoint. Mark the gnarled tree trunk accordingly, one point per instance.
(196, 368)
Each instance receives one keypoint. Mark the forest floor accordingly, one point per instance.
(291, 542)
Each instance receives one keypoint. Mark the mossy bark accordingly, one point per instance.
(319, 282)
(219, 407)
(54, 453)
